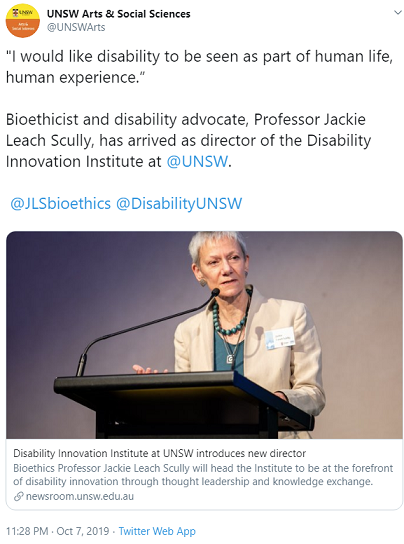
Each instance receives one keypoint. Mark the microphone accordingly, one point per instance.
(83, 359)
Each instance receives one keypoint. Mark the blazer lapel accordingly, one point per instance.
(254, 328)
(206, 355)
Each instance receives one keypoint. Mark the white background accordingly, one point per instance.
(377, 474)
(282, 189)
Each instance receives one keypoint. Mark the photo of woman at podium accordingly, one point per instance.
(272, 342)
(244, 362)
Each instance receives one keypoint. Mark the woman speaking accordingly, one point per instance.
(241, 329)
(272, 342)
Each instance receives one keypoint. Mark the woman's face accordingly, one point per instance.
(222, 265)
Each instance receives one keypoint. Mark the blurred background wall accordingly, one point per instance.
(64, 289)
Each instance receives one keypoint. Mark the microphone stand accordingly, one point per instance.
(83, 359)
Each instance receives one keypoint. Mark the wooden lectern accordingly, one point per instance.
(183, 405)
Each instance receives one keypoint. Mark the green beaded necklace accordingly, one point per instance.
(238, 327)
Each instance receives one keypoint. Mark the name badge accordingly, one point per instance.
(280, 338)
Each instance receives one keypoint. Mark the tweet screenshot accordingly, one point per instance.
(202, 218)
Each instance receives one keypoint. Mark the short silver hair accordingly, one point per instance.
(200, 238)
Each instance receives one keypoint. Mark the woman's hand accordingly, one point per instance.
(281, 396)
(140, 370)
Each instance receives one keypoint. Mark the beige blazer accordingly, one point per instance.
(296, 370)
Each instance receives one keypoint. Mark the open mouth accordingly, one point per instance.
(228, 282)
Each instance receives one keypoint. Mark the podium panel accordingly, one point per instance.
(183, 405)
